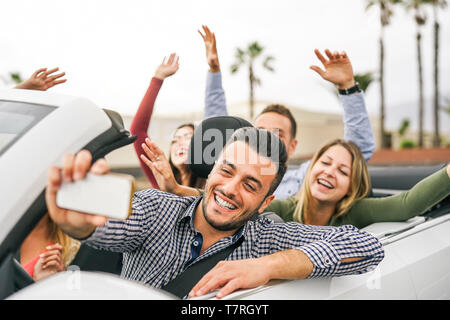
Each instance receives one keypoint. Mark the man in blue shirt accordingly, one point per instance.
(338, 70)
(166, 234)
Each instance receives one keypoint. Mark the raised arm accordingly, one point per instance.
(42, 80)
(403, 206)
(141, 121)
(357, 127)
(215, 103)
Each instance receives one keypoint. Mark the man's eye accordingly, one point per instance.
(225, 171)
(249, 186)
(325, 163)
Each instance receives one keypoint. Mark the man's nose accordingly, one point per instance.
(230, 187)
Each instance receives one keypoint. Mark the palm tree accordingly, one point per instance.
(421, 18)
(385, 7)
(364, 80)
(436, 4)
(16, 77)
(247, 57)
(404, 126)
(13, 77)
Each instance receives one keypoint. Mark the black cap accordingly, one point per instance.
(209, 138)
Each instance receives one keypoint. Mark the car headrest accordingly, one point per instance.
(208, 140)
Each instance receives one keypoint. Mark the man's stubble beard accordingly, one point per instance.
(227, 226)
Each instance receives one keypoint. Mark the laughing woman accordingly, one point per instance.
(336, 185)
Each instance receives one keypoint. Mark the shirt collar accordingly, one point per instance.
(188, 214)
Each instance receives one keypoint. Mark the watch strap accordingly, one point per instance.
(351, 90)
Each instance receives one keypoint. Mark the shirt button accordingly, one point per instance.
(327, 261)
(195, 243)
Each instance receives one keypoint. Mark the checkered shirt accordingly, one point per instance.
(157, 241)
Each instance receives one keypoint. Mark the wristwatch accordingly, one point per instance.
(351, 90)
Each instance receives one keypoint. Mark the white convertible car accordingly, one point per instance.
(37, 128)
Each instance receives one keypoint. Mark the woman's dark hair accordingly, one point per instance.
(195, 181)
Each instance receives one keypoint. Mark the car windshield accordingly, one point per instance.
(16, 118)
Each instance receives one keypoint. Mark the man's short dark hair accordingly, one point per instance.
(282, 110)
(267, 144)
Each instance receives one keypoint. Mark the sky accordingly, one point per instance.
(111, 49)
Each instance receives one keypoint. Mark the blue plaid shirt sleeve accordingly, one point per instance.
(326, 247)
(127, 235)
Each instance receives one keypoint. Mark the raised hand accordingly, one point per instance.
(76, 224)
(167, 68)
(155, 159)
(211, 50)
(49, 263)
(338, 69)
(42, 80)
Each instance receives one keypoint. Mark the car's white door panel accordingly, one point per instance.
(390, 280)
(415, 267)
(427, 254)
(82, 285)
(383, 229)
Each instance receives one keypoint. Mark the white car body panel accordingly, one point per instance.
(23, 178)
(83, 285)
(416, 266)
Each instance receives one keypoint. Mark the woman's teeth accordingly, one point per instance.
(224, 204)
(325, 183)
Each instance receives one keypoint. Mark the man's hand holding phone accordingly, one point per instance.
(75, 222)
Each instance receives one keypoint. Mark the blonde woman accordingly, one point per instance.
(336, 185)
(47, 250)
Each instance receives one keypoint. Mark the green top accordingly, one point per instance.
(366, 211)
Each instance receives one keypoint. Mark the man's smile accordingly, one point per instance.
(224, 202)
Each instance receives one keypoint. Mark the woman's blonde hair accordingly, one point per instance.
(359, 181)
(70, 246)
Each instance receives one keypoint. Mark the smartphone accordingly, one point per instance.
(107, 195)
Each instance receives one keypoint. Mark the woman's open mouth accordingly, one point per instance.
(181, 152)
(325, 183)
